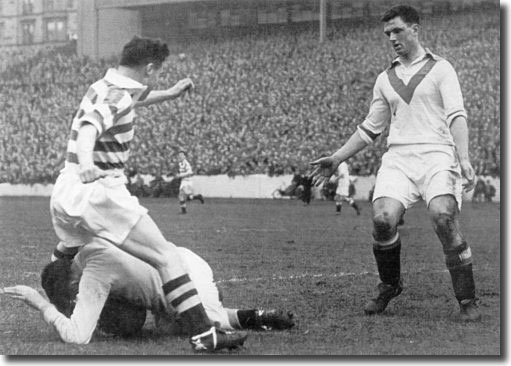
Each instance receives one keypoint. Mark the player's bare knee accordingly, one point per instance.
(444, 223)
(384, 227)
(443, 220)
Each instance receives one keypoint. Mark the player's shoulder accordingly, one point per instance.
(382, 78)
(117, 96)
(441, 63)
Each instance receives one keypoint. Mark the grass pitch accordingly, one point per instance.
(281, 254)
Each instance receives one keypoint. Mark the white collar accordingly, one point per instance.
(418, 59)
(113, 76)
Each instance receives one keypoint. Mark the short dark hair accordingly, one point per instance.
(55, 280)
(409, 14)
(142, 51)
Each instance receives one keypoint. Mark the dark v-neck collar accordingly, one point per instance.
(406, 91)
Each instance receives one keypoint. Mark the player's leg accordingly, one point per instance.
(338, 203)
(146, 242)
(444, 213)
(387, 252)
(352, 204)
(258, 319)
(182, 200)
(192, 195)
(198, 197)
(395, 190)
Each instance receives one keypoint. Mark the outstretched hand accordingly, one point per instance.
(184, 86)
(324, 168)
(26, 294)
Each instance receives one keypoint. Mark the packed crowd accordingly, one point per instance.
(262, 103)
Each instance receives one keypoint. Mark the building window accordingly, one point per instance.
(27, 32)
(70, 4)
(1, 7)
(28, 6)
(55, 30)
(2, 31)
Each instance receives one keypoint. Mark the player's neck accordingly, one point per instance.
(130, 73)
(415, 53)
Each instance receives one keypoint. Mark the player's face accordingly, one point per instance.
(402, 36)
(181, 156)
(152, 74)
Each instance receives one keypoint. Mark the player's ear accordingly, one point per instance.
(149, 69)
(415, 28)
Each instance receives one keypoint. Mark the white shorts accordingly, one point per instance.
(103, 208)
(343, 187)
(409, 173)
(186, 187)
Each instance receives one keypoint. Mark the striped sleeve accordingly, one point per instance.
(450, 91)
(379, 114)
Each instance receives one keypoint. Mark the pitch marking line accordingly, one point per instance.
(332, 275)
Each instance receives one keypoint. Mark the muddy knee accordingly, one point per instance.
(384, 227)
(447, 230)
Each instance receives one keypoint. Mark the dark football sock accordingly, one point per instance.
(388, 260)
(247, 318)
(459, 264)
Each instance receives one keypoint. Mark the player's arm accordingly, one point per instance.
(160, 96)
(459, 131)
(367, 132)
(84, 150)
(77, 329)
(452, 98)
(184, 175)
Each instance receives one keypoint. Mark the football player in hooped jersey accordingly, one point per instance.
(186, 186)
(427, 157)
(90, 199)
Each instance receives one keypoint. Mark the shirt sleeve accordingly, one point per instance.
(450, 91)
(92, 294)
(379, 114)
(104, 112)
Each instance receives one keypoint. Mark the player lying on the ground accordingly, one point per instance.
(79, 290)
